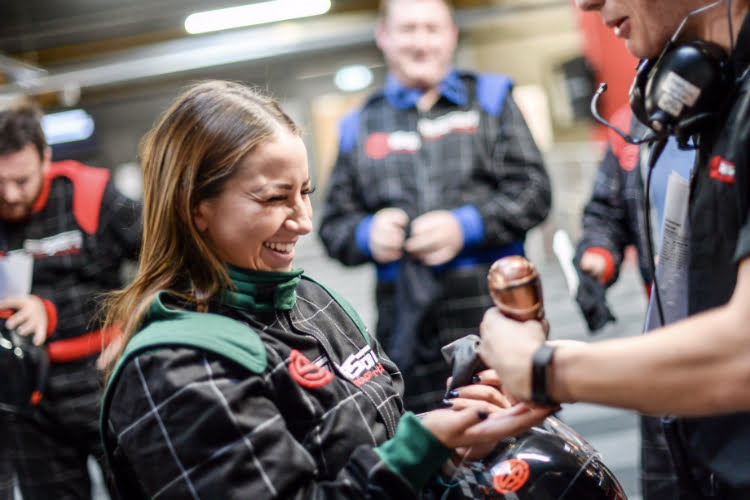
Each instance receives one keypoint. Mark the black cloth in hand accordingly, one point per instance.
(591, 298)
(417, 290)
(463, 356)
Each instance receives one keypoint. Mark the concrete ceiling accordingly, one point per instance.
(54, 31)
(58, 47)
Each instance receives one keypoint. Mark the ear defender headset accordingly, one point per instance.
(676, 92)
(686, 85)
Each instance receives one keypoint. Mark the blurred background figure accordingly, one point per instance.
(613, 220)
(437, 176)
(79, 230)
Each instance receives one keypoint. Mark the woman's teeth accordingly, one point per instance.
(281, 247)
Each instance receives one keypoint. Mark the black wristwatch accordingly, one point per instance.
(539, 363)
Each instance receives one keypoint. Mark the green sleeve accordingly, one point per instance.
(414, 452)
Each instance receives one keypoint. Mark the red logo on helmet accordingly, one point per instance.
(722, 170)
(307, 374)
(510, 475)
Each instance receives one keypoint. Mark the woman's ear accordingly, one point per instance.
(199, 217)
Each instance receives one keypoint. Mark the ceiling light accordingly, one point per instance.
(67, 126)
(352, 78)
(257, 13)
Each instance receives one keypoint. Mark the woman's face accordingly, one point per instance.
(263, 210)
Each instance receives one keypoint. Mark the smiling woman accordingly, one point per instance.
(241, 377)
(257, 219)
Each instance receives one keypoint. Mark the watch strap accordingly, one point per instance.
(539, 363)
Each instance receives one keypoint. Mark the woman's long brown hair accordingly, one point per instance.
(186, 158)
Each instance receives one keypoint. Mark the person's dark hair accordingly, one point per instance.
(188, 157)
(21, 125)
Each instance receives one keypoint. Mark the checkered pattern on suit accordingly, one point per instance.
(463, 301)
(186, 423)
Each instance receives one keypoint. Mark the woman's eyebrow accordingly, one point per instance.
(281, 185)
(286, 185)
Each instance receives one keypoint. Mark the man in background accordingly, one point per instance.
(437, 176)
(79, 230)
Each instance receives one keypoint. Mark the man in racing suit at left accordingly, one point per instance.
(79, 231)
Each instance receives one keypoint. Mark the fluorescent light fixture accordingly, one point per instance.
(67, 126)
(352, 78)
(256, 13)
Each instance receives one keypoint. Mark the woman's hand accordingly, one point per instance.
(484, 400)
(485, 392)
(476, 426)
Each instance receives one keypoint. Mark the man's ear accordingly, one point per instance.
(381, 37)
(46, 159)
(455, 36)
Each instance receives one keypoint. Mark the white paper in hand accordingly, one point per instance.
(16, 270)
(565, 252)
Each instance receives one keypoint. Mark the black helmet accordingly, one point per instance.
(23, 369)
(549, 462)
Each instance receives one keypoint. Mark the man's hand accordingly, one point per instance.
(507, 347)
(436, 238)
(594, 264)
(387, 234)
(30, 317)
